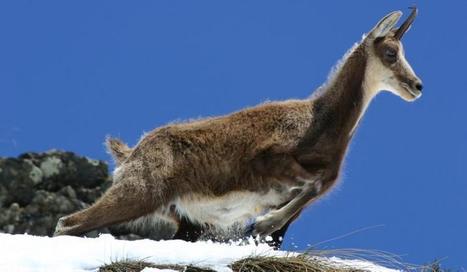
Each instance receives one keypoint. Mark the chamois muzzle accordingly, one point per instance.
(406, 25)
(413, 87)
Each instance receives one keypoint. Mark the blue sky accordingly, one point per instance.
(72, 72)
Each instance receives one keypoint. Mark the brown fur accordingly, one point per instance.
(296, 142)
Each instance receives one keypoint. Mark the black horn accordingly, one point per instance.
(405, 26)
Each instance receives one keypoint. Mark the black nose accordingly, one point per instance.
(419, 86)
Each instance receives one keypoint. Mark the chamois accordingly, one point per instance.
(258, 167)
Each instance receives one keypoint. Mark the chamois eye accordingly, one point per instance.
(390, 55)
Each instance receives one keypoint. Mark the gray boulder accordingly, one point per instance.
(38, 188)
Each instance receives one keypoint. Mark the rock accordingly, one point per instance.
(3, 195)
(36, 189)
(65, 168)
(18, 177)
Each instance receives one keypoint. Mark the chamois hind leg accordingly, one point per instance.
(121, 203)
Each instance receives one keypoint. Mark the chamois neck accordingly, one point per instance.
(341, 102)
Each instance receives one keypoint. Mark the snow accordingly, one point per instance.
(67, 253)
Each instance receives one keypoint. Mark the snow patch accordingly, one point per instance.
(67, 253)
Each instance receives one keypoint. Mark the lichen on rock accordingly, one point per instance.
(51, 166)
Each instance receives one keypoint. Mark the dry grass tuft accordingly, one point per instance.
(379, 257)
(137, 266)
(299, 263)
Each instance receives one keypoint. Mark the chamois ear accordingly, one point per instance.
(385, 25)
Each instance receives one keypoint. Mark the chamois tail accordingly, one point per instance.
(118, 149)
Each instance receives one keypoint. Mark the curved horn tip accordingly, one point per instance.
(406, 25)
(414, 9)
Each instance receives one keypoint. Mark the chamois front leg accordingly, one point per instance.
(274, 220)
(289, 170)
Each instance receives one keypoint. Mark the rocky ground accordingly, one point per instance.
(38, 188)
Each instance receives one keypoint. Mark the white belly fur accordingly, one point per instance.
(235, 207)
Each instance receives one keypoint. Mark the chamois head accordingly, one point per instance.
(387, 67)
